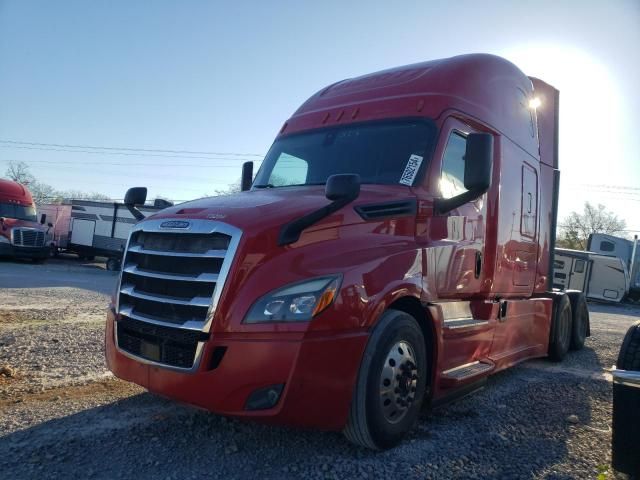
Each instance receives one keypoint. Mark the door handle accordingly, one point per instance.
(478, 264)
(530, 201)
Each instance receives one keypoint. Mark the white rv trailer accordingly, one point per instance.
(102, 228)
(92, 228)
(600, 277)
(626, 250)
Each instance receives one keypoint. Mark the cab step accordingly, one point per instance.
(464, 373)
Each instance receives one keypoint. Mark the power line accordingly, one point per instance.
(47, 149)
(79, 164)
(130, 149)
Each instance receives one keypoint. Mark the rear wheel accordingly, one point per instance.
(580, 319)
(560, 335)
(113, 264)
(391, 383)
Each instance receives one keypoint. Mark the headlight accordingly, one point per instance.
(298, 302)
(4, 239)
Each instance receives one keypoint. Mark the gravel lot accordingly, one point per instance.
(62, 415)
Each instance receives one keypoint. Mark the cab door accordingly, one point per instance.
(458, 246)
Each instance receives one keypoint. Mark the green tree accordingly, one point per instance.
(575, 229)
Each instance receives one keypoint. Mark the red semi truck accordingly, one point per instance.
(394, 249)
(21, 235)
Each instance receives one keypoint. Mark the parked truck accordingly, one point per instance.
(394, 250)
(21, 234)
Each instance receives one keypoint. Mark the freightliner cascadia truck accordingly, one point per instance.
(394, 249)
(21, 235)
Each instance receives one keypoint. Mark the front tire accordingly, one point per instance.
(391, 383)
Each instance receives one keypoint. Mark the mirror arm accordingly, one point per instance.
(290, 232)
(138, 215)
(444, 205)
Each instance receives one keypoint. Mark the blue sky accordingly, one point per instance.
(223, 76)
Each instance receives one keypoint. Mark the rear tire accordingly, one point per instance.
(560, 335)
(580, 319)
(629, 357)
(391, 383)
(113, 264)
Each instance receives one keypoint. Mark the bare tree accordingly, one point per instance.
(576, 228)
(80, 195)
(19, 172)
(229, 190)
(42, 192)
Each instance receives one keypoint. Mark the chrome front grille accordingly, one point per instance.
(27, 237)
(170, 284)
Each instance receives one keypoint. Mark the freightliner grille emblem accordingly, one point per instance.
(175, 224)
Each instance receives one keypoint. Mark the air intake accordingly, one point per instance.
(376, 211)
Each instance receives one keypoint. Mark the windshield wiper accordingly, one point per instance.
(268, 185)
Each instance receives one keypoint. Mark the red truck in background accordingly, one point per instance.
(21, 235)
(394, 250)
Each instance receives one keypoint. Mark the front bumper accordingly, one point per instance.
(318, 374)
(8, 250)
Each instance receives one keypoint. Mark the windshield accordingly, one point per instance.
(381, 153)
(21, 212)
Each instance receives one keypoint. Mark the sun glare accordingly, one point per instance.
(586, 127)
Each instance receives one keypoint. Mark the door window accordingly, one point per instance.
(452, 177)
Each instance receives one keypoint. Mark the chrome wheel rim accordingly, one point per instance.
(398, 381)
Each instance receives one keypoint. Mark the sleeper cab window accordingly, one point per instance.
(452, 176)
(607, 246)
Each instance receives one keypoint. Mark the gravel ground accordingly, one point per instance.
(62, 415)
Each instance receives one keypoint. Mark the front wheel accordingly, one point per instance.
(391, 383)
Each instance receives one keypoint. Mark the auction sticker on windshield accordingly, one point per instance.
(411, 170)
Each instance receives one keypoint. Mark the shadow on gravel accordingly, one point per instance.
(515, 428)
(56, 273)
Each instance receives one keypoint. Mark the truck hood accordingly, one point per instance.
(259, 210)
(10, 223)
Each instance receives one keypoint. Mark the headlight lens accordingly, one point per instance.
(299, 302)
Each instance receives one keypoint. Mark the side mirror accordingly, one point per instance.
(50, 225)
(478, 160)
(247, 176)
(135, 196)
(345, 186)
(478, 165)
(43, 218)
